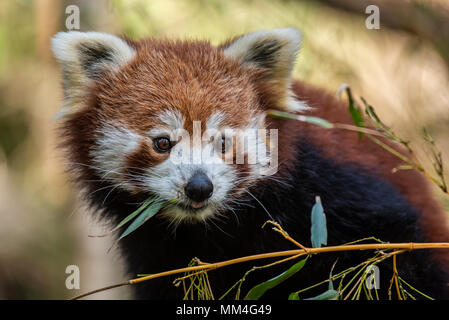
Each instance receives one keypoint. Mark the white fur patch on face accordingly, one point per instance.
(215, 121)
(171, 120)
(113, 144)
(169, 178)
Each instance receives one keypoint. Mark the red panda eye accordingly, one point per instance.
(162, 144)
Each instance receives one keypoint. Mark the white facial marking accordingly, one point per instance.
(111, 148)
(172, 121)
(169, 178)
(215, 121)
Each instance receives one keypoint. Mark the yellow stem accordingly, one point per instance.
(395, 275)
(358, 129)
(297, 252)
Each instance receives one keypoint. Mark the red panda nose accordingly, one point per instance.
(199, 187)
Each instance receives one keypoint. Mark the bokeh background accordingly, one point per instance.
(402, 69)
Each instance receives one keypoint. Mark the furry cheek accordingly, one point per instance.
(109, 153)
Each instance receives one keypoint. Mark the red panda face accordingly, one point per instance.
(176, 119)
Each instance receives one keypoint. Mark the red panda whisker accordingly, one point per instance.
(99, 189)
(110, 191)
(86, 165)
(104, 176)
(216, 226)
(260, 203)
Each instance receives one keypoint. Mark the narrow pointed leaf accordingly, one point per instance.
(127, 219)
(328, 295)
(356, 115)
(134, 214)
(318, 121)
(354, 110)
(144, 216)
(293, 296)
(331, 285)
(318, 230)
(315, 120)
(258, 291)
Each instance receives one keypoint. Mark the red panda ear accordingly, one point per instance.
(84, 57)
(274, 53)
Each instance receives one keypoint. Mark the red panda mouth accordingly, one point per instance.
(197, 205)
(193, 207)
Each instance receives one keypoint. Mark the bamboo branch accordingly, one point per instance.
(297, 252)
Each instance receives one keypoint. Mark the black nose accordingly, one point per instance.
(199, 187)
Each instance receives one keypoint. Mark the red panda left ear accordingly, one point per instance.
(84, 58)
(273, 52)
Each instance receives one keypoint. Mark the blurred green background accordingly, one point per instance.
(401, 69)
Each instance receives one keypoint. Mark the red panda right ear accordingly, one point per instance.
(84, 57)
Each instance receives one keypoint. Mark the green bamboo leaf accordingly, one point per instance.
(293, 296)
(282, 115)
(331, 285)
(314, 120)
(318, 121)
(143, 217)
(134, 214)
(318, 229)
(371, 113)
(258, 291)
(127, 219)
(328, 295)
(356, 116)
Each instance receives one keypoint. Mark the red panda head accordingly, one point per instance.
(166, 117)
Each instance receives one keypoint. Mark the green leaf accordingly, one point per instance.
(371, 113)
(258, 291)
(318, 121)
(282, 115)
(143, 217)
(331, 285)
(318, 229)
(293, 296)
(134, 214)
(328, 295)
(314, 120)
(356, 116)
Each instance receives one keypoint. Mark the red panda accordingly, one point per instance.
(130, 107)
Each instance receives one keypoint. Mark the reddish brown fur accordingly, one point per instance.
(198, 80)
(191, 77)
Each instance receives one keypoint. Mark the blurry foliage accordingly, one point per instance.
(16, 32)
(37, 242)
(13, 131)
